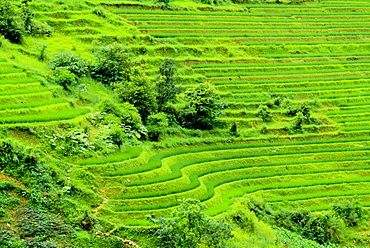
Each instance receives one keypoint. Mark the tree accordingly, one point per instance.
(69, 62)
(298, 121)
(113, 64)
(156, 124)
(165, 85)
(139, 91)
(202, 107)
(27, 17)
(190, 227)
(264, 113)
(353, 214)
(10, 25)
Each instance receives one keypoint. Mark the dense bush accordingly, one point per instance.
(215, 2)
(70, 142)
(322, 228)
(302, 113)
(353, 214)
(113, 64)
(40, 229)
(271, 1)
(191, 228)
(264, 113)
(69, 62)
(24, 165)
(16, 21)
(125, 115)
(155, 124)
(64, 78)
(140, 92)
(10, 24)
(202, 108)
(166, 89)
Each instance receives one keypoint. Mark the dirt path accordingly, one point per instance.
(126, 242)
(95, 211)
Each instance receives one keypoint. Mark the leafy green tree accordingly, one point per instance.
(353, 214)
(16, 21)
(70, 62)
(27, 17)
(264, 113)
(203, 106)
(139, 91)
(10, 25)
(113, 64)
(166, 89)
(64, 78)
(156, 124)
(190, 227)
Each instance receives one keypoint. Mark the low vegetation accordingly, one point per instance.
(184, 123)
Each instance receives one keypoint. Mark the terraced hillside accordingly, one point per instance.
(24, 98)
(295, 79)
(312, 53)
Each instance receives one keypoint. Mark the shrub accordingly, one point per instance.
(126, 113)
(190, 227)
(215, 2)
(139, 91)
(155, 124)
(16, 22)
(70, 142)
(10, 25)
(298, 121)
(40, 229)
(353, 214)
(123, 121)
(64, 78)
(259, 208)
(234, 130)
(113, 64)
(202, 108)
(166, 90)
(322, 228)
(69, 62)
(264, 113)
(164, 2)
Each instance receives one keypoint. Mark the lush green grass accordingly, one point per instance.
(155, 161)
(316, 51)
(32, 104)
(126, 154)
(149, 190)
(55, 116)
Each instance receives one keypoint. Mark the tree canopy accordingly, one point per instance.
(190, 227)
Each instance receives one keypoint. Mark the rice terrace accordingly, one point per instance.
(197, 123)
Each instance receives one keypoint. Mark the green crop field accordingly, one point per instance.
(101, 159)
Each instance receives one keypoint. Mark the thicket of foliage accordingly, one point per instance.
(327, 227)
(16, 21)
(85, 158)
(203, 106)
(189, 227)
(113, 66)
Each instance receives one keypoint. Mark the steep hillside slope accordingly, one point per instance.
(294, 134)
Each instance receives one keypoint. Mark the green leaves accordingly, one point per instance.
(191, 227)
(166, 89)
(113, 64)
(69, 62)
(202, 108)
